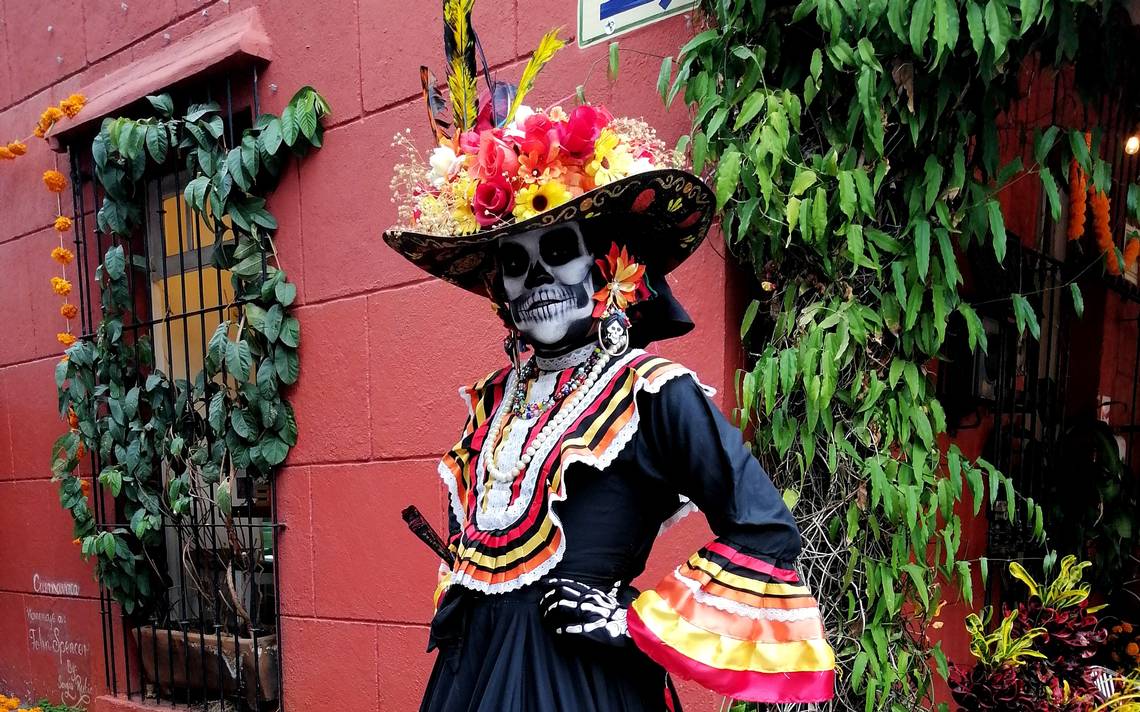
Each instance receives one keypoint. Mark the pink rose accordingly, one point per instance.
(494, 200)
(469, 142)
(580, 130)
(494, 158)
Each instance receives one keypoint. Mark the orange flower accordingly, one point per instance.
(55, 181)
(77, 541)
(1078, 189)
(625, 281)
(63, 223)
(68, 310)
(72, 419)
(1131, 252)
(39, 131)
(72, 105)
(65, 338)
(6, 154)
(62, 255)
(1132, 649)
(60, 286)
(80, 453)
(17, 148)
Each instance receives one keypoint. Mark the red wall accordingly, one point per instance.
(377, 400)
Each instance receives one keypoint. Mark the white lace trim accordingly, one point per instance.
(741, 609)
(570, 359)
(620, 440)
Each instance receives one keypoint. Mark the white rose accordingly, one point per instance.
(442, 162)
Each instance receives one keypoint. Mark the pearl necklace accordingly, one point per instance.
(550, 430)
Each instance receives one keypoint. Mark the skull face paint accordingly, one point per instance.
(548, 280)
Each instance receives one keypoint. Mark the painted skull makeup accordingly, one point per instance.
(548, 280)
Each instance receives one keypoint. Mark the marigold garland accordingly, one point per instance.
(65, 338)
(55, 181)
(1078, 196)
(1131, 252)
(1102, 229)
(62, 223)
(60, 286)
(68, 310)
(62, 255)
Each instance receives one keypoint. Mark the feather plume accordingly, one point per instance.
(459, 46)
(434, 103)
(542, 54)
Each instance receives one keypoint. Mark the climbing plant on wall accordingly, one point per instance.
(163, 445)
(854, 152)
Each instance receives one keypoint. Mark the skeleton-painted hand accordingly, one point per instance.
(573, 608)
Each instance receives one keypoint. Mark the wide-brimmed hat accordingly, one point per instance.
(499, 167)
(661, 215)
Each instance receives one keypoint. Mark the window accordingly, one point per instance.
(211, 637)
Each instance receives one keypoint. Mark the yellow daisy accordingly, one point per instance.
(535, 198)
(611, 160)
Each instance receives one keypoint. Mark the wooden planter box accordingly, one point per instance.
(177, 662)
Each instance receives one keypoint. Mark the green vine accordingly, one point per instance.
(856, 158)
(172, 448)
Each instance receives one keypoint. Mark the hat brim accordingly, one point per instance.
(674, 210)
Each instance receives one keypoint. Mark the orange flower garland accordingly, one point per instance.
(1102, 229)
(1131, 252)
(1078, 195)
(56, 182)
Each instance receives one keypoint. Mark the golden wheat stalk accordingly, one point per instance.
(459, 44)
(542, 54)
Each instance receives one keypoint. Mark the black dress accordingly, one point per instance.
(634, 452)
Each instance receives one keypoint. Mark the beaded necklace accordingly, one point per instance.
(528, 411)
(584, 378)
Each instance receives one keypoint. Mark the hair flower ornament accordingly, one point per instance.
(624, 286)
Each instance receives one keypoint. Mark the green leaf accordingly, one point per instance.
(1030, 9)
(612, 70)
(727, 177)
(157, 142)
(922, 248)
(1044, 143)
(290, 129)
(270, 137)
(1052, 194)
(273, 320)
(285, 292)
(1025, 316)
(162, 103)
(242, 424)
(115, 263)
(921, 12)
(238, 360)
(287, 364)
(749, 109)
(663, 78)
(1078, 300)
(274, 450)
(290, 332)
(805, 178)
(997, 228)
(847, 194)
(976, 24)
(749, 316)
(946, 25)
(696, 42)
(999, 25)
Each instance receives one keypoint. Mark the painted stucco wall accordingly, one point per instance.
(383, 349)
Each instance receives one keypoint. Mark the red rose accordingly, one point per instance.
(494, 200)
(494, 158)
(579, 132)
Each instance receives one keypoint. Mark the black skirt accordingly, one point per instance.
(496, 655)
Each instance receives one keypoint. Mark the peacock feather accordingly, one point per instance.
(459, 46)
(542, 54)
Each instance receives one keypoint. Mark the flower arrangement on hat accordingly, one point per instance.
(504, 160)
(537, 161)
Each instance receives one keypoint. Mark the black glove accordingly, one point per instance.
(573, 608)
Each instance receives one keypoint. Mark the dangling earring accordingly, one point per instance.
(613, 332)
(514, 346)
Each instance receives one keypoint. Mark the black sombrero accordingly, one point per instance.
(664, 214)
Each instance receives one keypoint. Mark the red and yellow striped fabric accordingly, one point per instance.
(738, 624)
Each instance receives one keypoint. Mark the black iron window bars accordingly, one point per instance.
(213, 639)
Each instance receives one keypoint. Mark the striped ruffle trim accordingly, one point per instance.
(738, 624)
